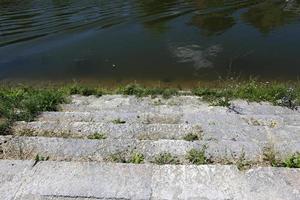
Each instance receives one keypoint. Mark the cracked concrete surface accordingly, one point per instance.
(84, 180)
(77, 168)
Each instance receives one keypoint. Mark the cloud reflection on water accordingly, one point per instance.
(199, 56)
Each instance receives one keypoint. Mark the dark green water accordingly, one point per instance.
(165, 40)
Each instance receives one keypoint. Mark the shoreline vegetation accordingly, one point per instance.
(25, 102)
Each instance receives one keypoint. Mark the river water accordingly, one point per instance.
(165, 40)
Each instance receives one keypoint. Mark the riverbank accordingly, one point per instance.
(25, 102)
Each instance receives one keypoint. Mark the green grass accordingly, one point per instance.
(119, 157)
(137, 158)
(269, 156)
(166, 159)
(277, 93)
(118, 121)
(126, 157)
(242, 163)
(38, 158)
(192, 137)
(140, 91)
(24, 103)
(84, 90)
(97, 136)
(197, 157)
(292, 161)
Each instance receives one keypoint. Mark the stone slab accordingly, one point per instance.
(76, 180)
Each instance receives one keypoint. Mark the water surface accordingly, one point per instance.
(165, 40)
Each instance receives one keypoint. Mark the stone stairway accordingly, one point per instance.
(123, 147)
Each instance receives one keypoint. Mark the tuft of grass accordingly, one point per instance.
(192, 137)
(242, 163)
(269, 156)
(197, 157)
(224, 102)
(125, 157)
(39, 158)
(119, 157)
(137, 158)
(166, 159)
(119, 121)
(97, 136)
(167, 93)
(84, 90)
(140, 91)
(292, 161)
(4, 127)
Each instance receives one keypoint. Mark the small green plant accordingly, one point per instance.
(224, 102)
(242, 163)
(140, 91)
(293, 161)
(97, 136)
(269, 156)
(4, 127)
(84, 90)
(132, 89)
(39, 158)
(197, 157)
(192, 137)
(167, 93)
(119, 157)
(166, 158)
(137, 158)
(119, 121)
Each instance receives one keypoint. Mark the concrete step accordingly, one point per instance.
(22, 180)
(129, 103)
(262, 108)
(110, 116)
(185, 116)
(179, 103)
(120, 100)
(63, 149)
(210, 130)
(140, 108)
(110, 130)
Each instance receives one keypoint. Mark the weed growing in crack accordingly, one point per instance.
(137, 158)
(197, 157)
(224, 102)
(39, 158)
(292, 161)
(269, 156)
(119, 157)
(242, 163)
(165, 159)
(126, 157)
(97, 136)
(192, 137)
(119, 121)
